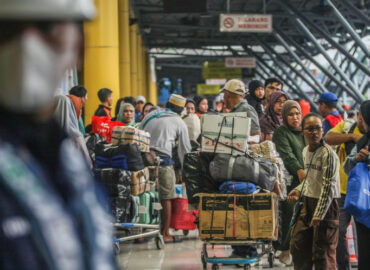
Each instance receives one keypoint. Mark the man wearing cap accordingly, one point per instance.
(50, 214)
(327, 108)
(166, 128)
(139, 105)
(234, 93)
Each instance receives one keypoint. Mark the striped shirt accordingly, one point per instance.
(322, 181)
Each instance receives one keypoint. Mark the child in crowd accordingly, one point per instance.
(315, 235)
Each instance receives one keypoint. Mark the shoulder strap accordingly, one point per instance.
(151, 118)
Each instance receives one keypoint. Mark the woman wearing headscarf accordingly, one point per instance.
(201, 103)
(360, 153)
(272, 118)
(255, 96)
(193, 124)
(289, 143)
(126, 115)
(66, 116)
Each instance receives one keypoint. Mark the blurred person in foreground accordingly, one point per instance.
(360, 153)
(50, 214)
(167, 130)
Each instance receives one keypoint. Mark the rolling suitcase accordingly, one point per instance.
(155, 207)
(134, 209)
(144, 208)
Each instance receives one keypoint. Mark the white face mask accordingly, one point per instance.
(30, 71)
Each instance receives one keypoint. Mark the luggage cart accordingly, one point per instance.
(155, 232)
(246, 262)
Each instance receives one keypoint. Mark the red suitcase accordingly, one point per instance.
(181, 218)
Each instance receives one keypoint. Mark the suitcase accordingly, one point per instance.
(144, 208)
(155, 207)
(134, 209)
(121, 209)
(181, 218)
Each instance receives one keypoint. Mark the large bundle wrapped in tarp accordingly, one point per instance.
(260, 171)
(197, 177)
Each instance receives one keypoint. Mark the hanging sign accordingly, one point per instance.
(217, 69)
(256, 23)
(208, 89)
(240, 62)
(216, 81)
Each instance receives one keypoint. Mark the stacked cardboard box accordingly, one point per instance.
(228, 133)
(140, 182)
(125, 135)
(238, 216)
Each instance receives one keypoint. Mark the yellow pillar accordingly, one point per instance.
(133, 62)
(101, 67)
(152, 84)
(124, 48)
(139, 65)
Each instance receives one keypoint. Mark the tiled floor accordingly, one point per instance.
(179, 256)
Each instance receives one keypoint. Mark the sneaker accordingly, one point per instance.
(285, 257)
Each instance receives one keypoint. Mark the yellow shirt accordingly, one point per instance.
(342, 156)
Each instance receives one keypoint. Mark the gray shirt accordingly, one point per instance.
(165, 128)
(243, 106)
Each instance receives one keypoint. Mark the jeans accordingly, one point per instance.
(342, 248)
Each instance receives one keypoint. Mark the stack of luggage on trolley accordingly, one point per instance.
(128, 170)
(236, 185)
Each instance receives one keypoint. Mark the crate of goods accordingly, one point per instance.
(181, 218)
(131, 135)
(228, 133)
(238, 216)
(140, 182)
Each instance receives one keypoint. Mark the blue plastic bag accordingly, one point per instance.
(230, 187)
(358, 194)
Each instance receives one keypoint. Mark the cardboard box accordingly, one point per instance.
(140, 182)
(233, 129)
(125, 135)
(254, 217)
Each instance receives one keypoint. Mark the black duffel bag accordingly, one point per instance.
(197, 177)
(124, 156)
(260, 171)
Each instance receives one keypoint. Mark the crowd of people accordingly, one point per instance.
(318, 151)
(51, 210)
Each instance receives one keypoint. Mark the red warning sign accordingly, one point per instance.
(228, 22)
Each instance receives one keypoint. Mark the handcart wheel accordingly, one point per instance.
(271, 259)
(159, 242)
(185, 232)
(215, 266)
(117, 249)
(204, 262)
(247, 267)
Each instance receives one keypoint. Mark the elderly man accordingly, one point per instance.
(50, 215)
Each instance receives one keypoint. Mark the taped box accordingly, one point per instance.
(239, 216)
(229, 133)
(140, 182)
(131, 135)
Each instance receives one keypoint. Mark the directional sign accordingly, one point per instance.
(218, 70)
(208, 89)
(240, 62)
(255, 23)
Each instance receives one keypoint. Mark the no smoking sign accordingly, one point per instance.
(228, 22)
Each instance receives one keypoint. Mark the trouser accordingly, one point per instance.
(315, 246)
(342, 248)
(286, 210)
(363, 242)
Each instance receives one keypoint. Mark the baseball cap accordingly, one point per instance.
(234, 86)
(327, 97)
(140, 98)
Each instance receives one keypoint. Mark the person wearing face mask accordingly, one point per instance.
(289, 143)
(50, 214)
(272, 118)
(256, 95)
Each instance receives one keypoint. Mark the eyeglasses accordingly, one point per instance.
(313, 130)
